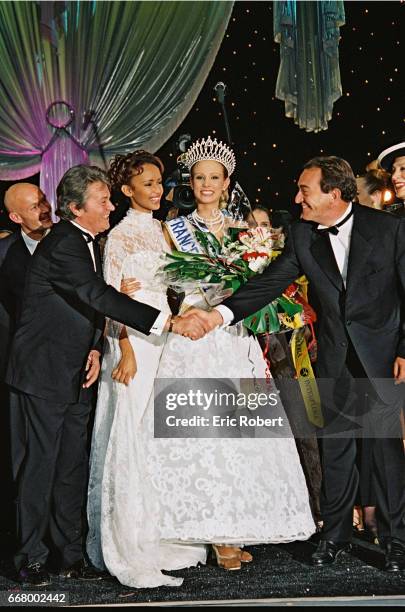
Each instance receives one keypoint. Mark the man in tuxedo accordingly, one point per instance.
(54, 360)
(29, 209)
(354, 259)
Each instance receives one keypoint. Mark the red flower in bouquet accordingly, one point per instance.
(253, 255)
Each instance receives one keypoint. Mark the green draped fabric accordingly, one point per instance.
(138, 66)
(309, 76)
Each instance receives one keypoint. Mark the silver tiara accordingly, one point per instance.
(208, 149)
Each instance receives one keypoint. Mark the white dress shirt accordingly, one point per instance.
(30, 243)
(341, 242)
(340, 245)
(89, 244)
(157, 327)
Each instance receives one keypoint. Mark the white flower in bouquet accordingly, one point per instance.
(262, 239)
(258, 264)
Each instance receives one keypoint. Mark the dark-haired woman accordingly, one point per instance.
(372, 187)
(259, 216)
(122, 506)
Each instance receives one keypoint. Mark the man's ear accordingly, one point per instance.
(336, 194)
(126, 190)
(15, 217)
(75, 209)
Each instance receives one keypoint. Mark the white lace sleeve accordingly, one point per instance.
(115, 254)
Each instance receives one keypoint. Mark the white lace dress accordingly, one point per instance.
(154, 503)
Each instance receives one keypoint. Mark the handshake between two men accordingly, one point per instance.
(194, 323)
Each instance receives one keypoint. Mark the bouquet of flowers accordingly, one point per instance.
(222, 268)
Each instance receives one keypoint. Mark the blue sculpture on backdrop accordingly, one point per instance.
(309, 76)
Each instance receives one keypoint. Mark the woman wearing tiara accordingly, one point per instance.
(239, 491)
(155, 503)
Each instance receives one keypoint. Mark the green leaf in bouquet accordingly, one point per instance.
(216, 278)
(290, 307)
(232, 283)
(180, 255)
(242, 266)
(203, 268)
(233, 233)
(203, 276)
(210, 244)
(175, 265)
(263, 321)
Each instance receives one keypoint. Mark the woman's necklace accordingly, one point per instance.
(214, 225)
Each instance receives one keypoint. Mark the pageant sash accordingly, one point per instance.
(183, 236)
(306, 378)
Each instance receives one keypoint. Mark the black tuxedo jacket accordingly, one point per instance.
(368, 312)
(60, 319)
(14, 261)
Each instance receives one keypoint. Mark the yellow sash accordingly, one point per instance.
(306, 378)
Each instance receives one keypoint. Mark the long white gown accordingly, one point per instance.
(153, 503)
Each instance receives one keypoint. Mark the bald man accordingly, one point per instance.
(27, 206)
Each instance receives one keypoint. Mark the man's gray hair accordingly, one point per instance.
(73, 188)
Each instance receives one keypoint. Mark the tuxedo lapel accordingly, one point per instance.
(6, 243)
(24, 247)
(360, 248)
(322, 252)
(97, 258)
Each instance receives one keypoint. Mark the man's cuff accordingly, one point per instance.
(158, 326)
(226, 314)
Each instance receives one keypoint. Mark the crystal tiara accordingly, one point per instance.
(208, 149)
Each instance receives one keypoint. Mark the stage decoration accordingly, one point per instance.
(63, 150)
(128, 71)
(309, 77)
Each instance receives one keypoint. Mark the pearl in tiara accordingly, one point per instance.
(208, 149)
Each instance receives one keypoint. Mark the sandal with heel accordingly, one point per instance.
(227, 557)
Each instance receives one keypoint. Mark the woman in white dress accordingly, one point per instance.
(154, 503)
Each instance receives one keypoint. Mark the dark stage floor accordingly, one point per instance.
(281, 571)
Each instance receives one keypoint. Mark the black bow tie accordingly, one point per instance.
(334, 229)
(87, 237)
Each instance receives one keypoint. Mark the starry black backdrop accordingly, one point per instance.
(270, 148)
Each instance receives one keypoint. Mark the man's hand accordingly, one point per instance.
(130, 286)
(210, 320)
(191, 327)
(92, 368)
(399, 370)
(126, 369)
